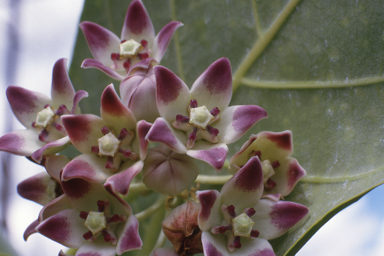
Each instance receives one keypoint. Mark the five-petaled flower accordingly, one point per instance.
(237, 222)
(115, 56)
(41, 116)
(198, 122)
(274, 149)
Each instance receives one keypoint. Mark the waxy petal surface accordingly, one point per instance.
(213, 88)
(50, 148)
(97, 248)
(55, 164)
(91, 63)
(62, 90)
(236, 120)
(212, 154)
(245, 187)
(39, 188)
(129, 238)
(210, 213)
(162, 39)
(23, 142)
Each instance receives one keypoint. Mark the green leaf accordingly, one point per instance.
(315, 66)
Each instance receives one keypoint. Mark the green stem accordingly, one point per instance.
(262, 43)
(160, 240)
(138, 187)
(151, 209)
(212, 180)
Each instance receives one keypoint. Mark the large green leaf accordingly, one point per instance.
(315, 66)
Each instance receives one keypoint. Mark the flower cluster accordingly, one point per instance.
(136, 148)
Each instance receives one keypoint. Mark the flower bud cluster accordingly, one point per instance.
(148, 140)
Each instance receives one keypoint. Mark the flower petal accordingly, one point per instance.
(236, 120)
(142, 130)
(138, 24)
(272, 219)
(39, 188)
(55, 164)
(210, 213)
(163, 166)
(87, 166)
(172, 94)
(162, 132)
(31, 229)
(214, 245)
(55, 206)
(212, 154)
(51, 148)
(162, 39)
(138, 93)
(129, 238)
(287, 176)
(23, 142)
(65, 227)
(101, 42)
(91, 63)
(120, 181)
(213, 88)
(26, 104)
(83, 130)
(245, 187)
(62, 91)
(97, 248)
(114, 113)
(79, 95)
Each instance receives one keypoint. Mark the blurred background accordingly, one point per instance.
(36, 33)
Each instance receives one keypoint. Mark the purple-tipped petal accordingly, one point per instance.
(214, 245)
(55, 164)
(162, 132)
(66, 228)
(120, 181)
(129, 239)
(88, 167)
(236, 120)
(142, 130)
(53, 207)
(22, 143)
(62, 89)
(114, 113)
(138, 92)
(76, 99)
(162, 39)
(40, 188)
(97, 248)
(91, 63)
(172, 94)
(163, 166)
(213, 88)
(210, 213)
(212, 154)
(245, 187)
(50, 148)
(26, 104)
(83, 130)
(101, 42)
(31, 229)
(138, 24)
(272, 219)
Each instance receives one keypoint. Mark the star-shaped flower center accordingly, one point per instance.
(130, 52)
(129, 48)
(108, 145)
(45, 117)
(268, 170)
(200, 117)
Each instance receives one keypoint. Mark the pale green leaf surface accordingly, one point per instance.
(326, 59)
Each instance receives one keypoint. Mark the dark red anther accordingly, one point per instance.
(43, 135)
(123, 41)
(222, 229)
(215, 111)
(270, 184)
(143, 56)
(231, 211)
(126, 65)
(126, 153)
(236, 242)
(114, 218)
(87, 235)
(192, 136)
(123, 134)
(275, 164)
(34, 124)
(107, 236)
(83, 215)
(256, 153)
(60, 128)
(212, 131)
(62, 110)
(46, 105)
(109, 163)
(105, 130)
(95, 149)
(250, 212)
(115, 56)
(181, 118)
(193, 104)
(255, 233)
(144, 43)
(101, 206)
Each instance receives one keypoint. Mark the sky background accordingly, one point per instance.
(47, 32)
